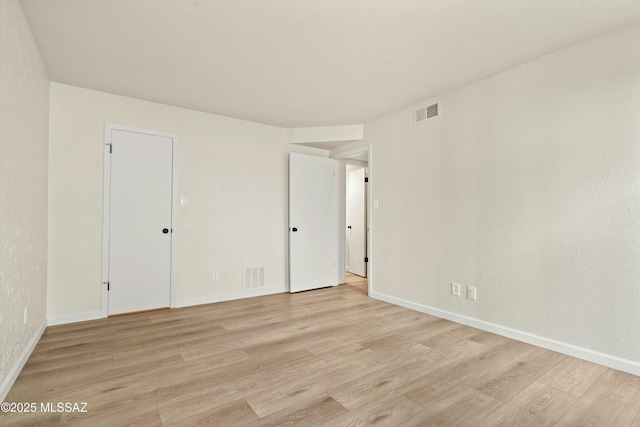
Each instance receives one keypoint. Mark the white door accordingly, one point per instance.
(356, 222)
(313, 222)
(140, 221)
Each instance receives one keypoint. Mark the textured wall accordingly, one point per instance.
(24, 130)
(529, 190)
(233, 172)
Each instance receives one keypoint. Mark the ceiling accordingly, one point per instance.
(303, 63)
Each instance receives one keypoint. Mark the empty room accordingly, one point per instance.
(321, 212)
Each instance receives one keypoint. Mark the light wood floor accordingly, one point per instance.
(330, 357)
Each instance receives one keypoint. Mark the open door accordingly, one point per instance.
(313, 222)
(140, 218)
(356, 222)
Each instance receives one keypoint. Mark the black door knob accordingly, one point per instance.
(294, 229)
(165, 230)
(349, 227)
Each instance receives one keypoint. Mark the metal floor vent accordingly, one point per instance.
(425, 113)
(253, 277)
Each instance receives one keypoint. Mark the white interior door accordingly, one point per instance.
(313, 222)
(140, 222)
(356, 222)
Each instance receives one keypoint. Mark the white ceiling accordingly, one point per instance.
(303, 63)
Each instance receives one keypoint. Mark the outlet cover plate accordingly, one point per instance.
(455, 289)
(471, 293)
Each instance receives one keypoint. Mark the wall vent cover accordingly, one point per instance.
(432, 111)
(252, 277)
(425, 113)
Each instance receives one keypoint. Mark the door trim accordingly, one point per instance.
(106, 210)
(343, 156)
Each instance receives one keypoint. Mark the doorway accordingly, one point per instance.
(361, 157)
(356, 219)
(334, 206)
(139, 221)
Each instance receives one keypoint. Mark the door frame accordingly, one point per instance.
(106, 212)
(344, 155)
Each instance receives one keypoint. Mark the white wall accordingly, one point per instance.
(527, 186)
(24, 128)
(233, 172)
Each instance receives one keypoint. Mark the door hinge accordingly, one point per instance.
(110, 148)
(366, 259)
(366, 179)
(108, 285)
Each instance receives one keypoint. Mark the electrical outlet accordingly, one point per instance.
(214, 276)
(25, 315)
(471, 292)
(455, 289)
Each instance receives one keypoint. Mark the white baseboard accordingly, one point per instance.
(17, 367)
(226, 297)
(607, 360)
(82, 317)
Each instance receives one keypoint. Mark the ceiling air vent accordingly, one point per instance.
(425, 113)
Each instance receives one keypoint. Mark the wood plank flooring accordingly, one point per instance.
(329, 357)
